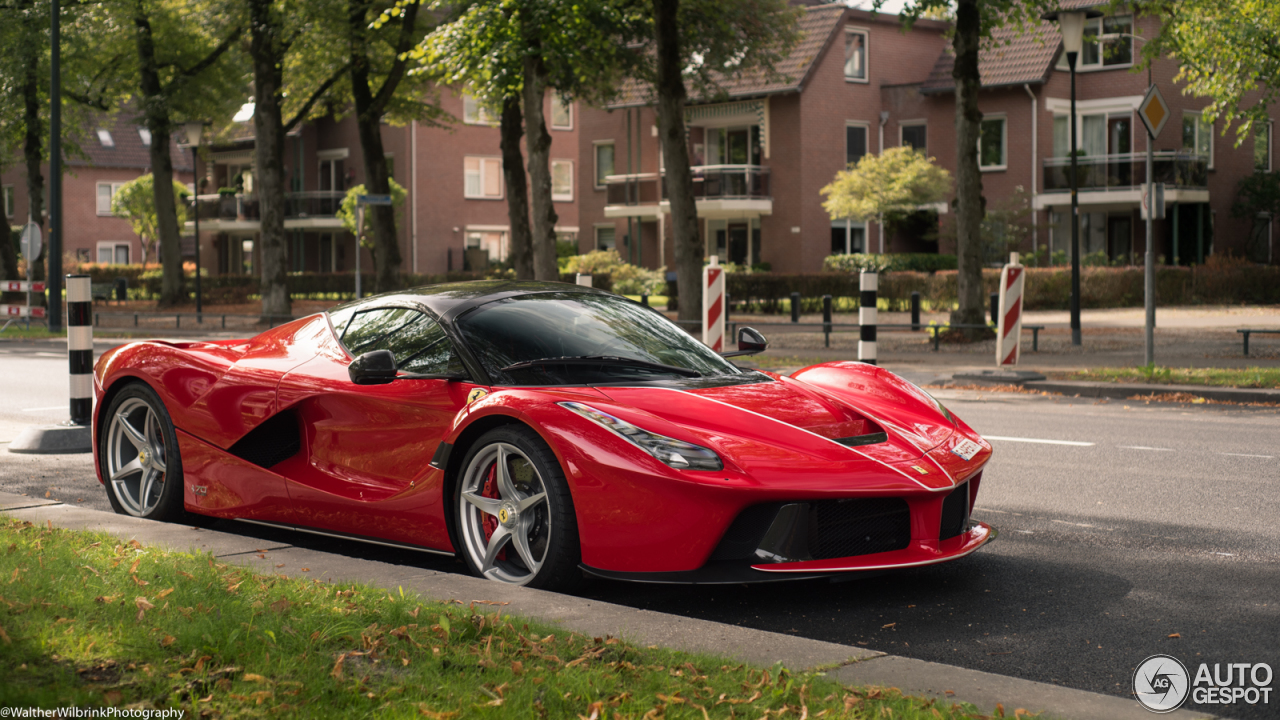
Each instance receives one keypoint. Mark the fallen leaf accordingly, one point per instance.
(999, 710)
(1175, 635)
(281, 605)
(164, 594)
(253, 677)
(306, 569)
(427, 712)
(134, 567)
(105, 599)
(168, 640)
(139, 581)
(280, 565)
(135, 544)
(232, 588)
(5, 636)
(143, 603)
(112, 697)
(95, 572)
(336, 673)
(888, 626)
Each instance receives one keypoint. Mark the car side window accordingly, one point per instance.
(418, 342)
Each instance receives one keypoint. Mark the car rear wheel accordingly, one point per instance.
(138, 454)
(516, 522)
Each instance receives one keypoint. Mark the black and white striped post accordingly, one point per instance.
(869, 283)
(80, 347)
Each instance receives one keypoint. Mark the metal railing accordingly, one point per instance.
(1125, 171)
(245, 206)
(710, 182)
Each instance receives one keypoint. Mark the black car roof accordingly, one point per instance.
(448, 300)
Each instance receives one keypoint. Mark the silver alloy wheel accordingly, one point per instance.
(136, 457)
(519, 517)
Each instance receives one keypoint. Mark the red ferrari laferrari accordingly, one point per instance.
(543, 432)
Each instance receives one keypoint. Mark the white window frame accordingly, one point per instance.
(561, 197)
(114, 246)
(1004, 143)
(866, 133)
(595, 161)
(866, 53)
(1270, 131)
(1095, 26)
(473, 113)
(914, 124)
(1201, 126)
(115, 188)
(568, 106)
(144, 135)
(502, 184)
(9, 199)
(105, 139)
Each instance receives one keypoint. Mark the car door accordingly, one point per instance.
(366, 466)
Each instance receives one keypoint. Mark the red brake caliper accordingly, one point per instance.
(489, 522)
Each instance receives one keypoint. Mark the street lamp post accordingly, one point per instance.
(195, 130)
(1071, 26)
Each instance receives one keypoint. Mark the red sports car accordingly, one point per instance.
(543, 432)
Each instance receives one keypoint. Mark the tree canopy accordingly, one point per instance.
(892, 184)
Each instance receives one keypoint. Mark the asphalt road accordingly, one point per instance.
(1160, 522)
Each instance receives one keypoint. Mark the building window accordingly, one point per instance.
(991, 144)
(848, 236)
(916, 136)
(333, 176)
(606, 237)
(1197, 136)
(1261, 151)
(104, 137)
(145, 134)
(855, 143)
(8, 201)
(1108, 42)
(113, 253)
(855, 55)
(106, 192)
(483, 178)
(473, 113)
(561, 113)
(562, 180)
(492, 242)
(604, 162)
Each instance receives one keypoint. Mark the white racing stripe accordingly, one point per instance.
(1038, 440)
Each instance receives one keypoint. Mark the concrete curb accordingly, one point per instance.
(52, 440)
(846, 664)
(1086, 388)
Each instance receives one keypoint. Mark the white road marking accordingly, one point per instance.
(55, 407)
(1144, 447)
(1038, 440)
(1266, 457)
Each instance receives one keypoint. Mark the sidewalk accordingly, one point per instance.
(849, 665)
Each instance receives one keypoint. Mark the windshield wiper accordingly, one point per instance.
(603, 360)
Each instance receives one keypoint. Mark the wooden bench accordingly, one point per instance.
(1247, 331)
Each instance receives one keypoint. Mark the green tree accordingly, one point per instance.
(698, 44)
(347, 213)
(893, 185)
(136, 202)
(1228, 52)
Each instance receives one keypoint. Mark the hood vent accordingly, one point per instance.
(868, 439)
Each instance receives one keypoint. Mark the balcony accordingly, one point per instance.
(1117, 179)
(241, 212)
(720, 191)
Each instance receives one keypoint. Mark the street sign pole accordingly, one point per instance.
(53, 265)
(1154, 113)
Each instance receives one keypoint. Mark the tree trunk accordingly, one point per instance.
(539, 142)
(267, 50)
(675, 155)
(386, 247)
(969, 203)
(155, 112)
(32, 153)
(512, 127)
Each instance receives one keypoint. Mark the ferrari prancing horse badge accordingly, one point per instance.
(476, 394)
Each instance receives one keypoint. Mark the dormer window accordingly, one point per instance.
(104, 137)
(1108, 42)
(145, 134)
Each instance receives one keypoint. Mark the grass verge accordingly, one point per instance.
(1254, 377)
(87, 620)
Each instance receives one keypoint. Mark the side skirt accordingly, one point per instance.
(347, 536)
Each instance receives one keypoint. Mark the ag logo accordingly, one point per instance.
(476, 394)
(1161, 683)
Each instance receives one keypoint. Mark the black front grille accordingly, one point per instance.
(955, 513)
(844, 528)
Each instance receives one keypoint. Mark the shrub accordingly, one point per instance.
(889, 262)
(626, 279)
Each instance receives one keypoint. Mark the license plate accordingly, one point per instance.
(966, 449)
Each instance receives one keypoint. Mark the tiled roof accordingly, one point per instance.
(1012, 58)
(815, 25)
(129, 150)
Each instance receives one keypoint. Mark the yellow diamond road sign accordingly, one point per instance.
(1154, 111)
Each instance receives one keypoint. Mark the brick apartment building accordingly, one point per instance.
(115, 151)
(455, 216)
(856, 84)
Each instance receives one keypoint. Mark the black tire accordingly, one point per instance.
(550, 528)
(140, 405)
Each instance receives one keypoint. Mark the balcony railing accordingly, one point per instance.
(710, 182)
(245, 206)
(1126, 171)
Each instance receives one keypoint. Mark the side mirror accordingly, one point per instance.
(376, 367)
(750, 342)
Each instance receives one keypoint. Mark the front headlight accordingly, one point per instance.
(676, 453)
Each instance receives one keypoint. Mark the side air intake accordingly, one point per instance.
(275, 440)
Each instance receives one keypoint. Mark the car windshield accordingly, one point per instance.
(530, 329)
